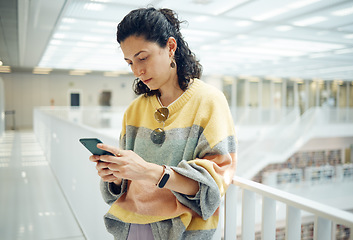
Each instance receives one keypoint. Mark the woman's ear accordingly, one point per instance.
(172, 46)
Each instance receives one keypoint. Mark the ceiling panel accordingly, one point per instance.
(203, 7)
(287, 38)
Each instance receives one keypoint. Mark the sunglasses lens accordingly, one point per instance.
(161, 114)
(158, 136)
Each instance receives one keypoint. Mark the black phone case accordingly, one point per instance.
(91, 145)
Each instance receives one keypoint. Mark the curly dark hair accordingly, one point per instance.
(158, 26)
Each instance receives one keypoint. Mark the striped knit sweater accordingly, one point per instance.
(200, 144)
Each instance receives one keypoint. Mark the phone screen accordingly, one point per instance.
(91, 145)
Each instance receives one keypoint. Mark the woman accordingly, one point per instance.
(177, 145)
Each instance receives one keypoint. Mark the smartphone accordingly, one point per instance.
(91, 145)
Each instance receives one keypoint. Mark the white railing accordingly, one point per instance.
(325, 217)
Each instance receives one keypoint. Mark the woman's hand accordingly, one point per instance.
(103, 171)
(125, 164)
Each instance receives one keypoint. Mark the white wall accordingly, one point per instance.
(2, 107)
(24, 91)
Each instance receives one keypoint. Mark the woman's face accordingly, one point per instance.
(148, 61)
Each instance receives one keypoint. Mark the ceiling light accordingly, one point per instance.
(111, 74)
(343, 12)
(242, 36)
(194, 39)
(225, 42)
(271, 14)
(107, 24)
(349, 36)
(102, 30)
(283, 28)
(296, 79)
(93, 39)
(80, 49)
(310, 21)
(228, 79)
(199, 33)
(303, 3)
(322, 33)
(68, 20)
(40, 70)
(254, 79)
(270, 51)
(232, 4)
(274, 79)
(59, 35)
(79, 72)
(285, 9)
(64, 28)
(201, 18)
(336, 69)
(55, 42)
(243, 23)
(5, 69)
(73, 73)
(240, 57)
(115, 73)
(86, 44)
(343, 51)
(93, 6)
(206, 47)
(204, 2)
(318, 55)
(299, 45)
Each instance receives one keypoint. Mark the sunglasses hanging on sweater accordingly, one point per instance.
(158, 135)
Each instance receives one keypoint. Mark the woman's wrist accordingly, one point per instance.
(155, 173)
(175, 181)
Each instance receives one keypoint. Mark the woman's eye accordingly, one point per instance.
(142, 59)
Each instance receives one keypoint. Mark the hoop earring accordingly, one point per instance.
(172, 64)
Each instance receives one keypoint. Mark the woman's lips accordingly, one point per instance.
(147, 81)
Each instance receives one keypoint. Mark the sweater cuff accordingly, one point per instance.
(208, 198)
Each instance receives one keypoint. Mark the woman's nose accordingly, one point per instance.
(138, 71)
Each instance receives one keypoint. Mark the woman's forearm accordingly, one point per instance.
(182, 184)
(176, 181)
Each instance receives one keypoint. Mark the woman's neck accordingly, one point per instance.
(170, 92)
(169, 97)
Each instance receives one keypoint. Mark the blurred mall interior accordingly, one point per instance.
(285, 67)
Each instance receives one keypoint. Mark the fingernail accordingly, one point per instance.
(99, 145)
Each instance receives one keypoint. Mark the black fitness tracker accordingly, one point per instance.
(165, 177)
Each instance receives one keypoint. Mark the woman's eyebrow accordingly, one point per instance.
(136, 54)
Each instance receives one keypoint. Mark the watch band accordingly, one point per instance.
(165, 176)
